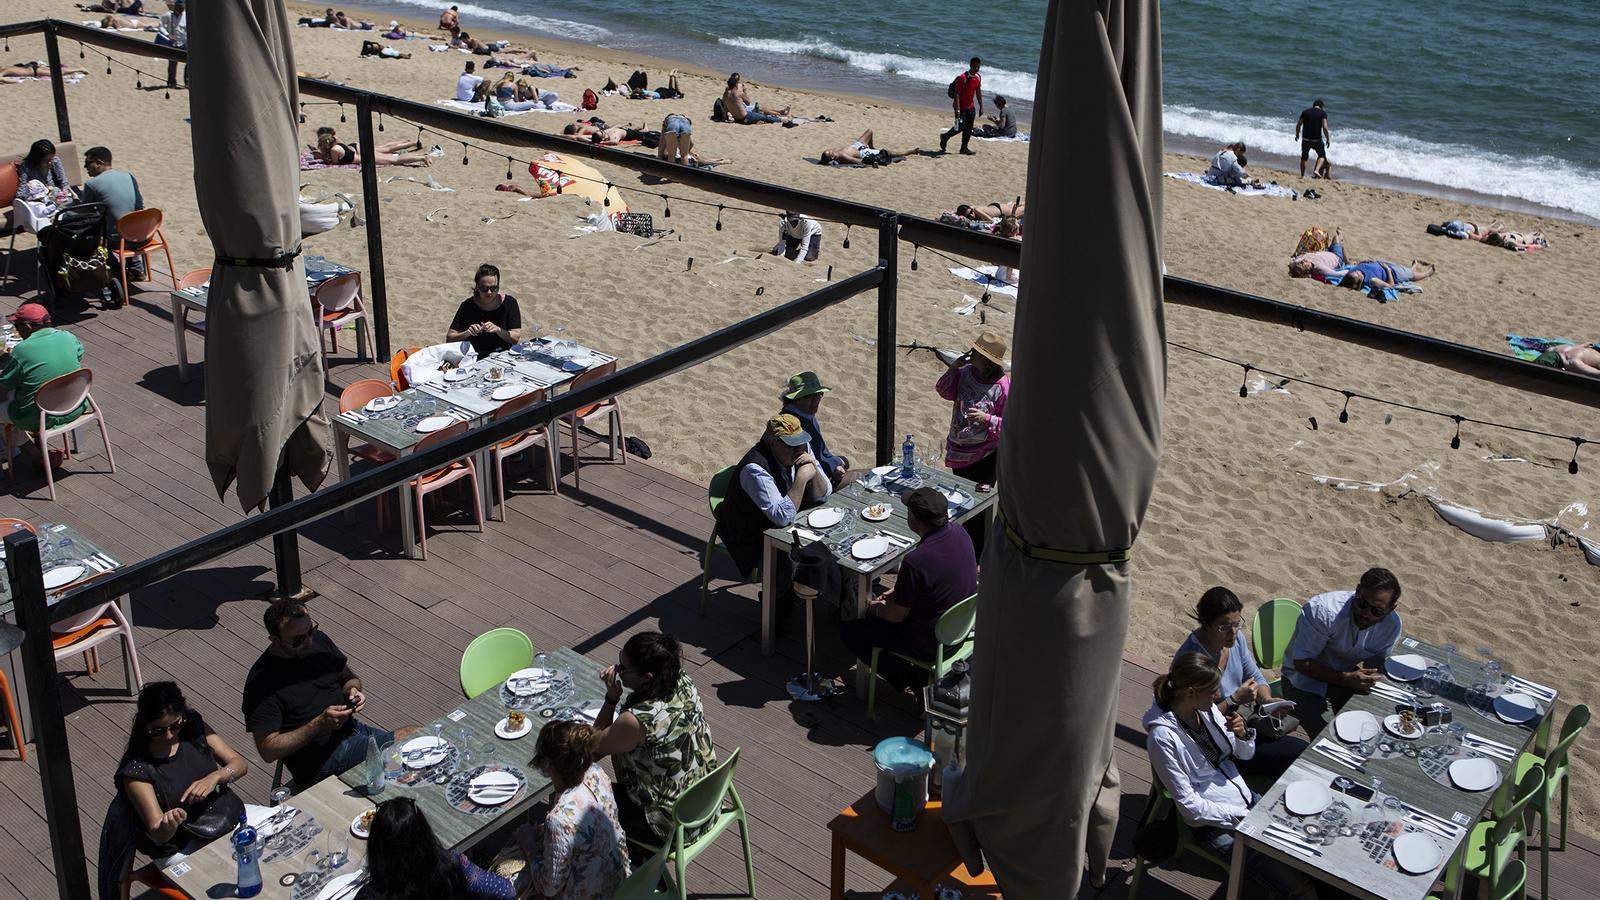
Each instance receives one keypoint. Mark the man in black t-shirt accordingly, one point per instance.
(301, 700)
(489, 319)
(1311, 130)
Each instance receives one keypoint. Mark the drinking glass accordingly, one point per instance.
(1377, 791)
(541, 660)
(392, 764)
(1428, 684)
(1369, 739)
(1478, 696)
(1493, 675)
(336, 848)
(311, 875)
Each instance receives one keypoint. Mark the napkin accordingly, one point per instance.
(808, 534)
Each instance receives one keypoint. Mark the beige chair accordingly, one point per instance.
(85, 632)
(441, 478)
(538, 437)
(58, 397)
(337, 302)
(191, 278)
(608, 408)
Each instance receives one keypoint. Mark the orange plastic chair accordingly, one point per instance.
(439, 479)
(609, 408)
(10, 639)
(356, 396)
(8, 195)
(337, 303)
(57, 397)
(397, 376)
(142, 229)
(539, 437)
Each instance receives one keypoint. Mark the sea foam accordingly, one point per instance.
(933, 71)
(578, 31)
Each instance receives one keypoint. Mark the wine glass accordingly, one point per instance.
(311, 875)
(1377, 791)
(1368, 746)
(541, 661)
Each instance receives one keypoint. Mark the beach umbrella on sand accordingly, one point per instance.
(1078, 453)
(264, 378)
(578, 178)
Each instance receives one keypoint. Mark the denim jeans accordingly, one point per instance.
(352, 751)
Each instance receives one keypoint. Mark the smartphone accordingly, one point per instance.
(1358, 791)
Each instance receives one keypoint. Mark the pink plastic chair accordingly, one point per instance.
(609, 408)
(337, 302)
(58, 397)
(539, 437)
(442, 478)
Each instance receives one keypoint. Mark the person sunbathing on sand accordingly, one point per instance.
(373, 48)
(40, 69)
(1320, 263)
(118, 23)
(1472, 231)
(1516, 240)
(131, 8)
(331, 151)
(1380, 275)
(585, 129)
(981, 213)
(863, 152)
(619, 134)
(1583, 358)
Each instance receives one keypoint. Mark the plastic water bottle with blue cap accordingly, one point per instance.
(247, 850)
(908, 458)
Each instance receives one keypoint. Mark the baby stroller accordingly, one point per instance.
(74, 255)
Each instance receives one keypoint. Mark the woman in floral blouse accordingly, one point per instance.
(581, 853)
(658, 741)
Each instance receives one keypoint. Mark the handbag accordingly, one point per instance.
(218, 818)
(1157, 840)
(640, 224)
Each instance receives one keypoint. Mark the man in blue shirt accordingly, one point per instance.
(801, 399)
(1339, 646)
(119, 191)
(775, 480)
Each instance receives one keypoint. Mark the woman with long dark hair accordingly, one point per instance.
(406, 862)
(173, 769)
(43, 165)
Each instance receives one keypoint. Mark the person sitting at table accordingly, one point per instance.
(489, 319)
(173, 770)
(580, 852)
(1340, 644)
(802, 397)
(777, 478)
(43, 354)
(405, 861)
(119, 191)
(43, 165)
(301, 700)
(1194, 748)
(939, 572)
(657, 738)
(1220, 636)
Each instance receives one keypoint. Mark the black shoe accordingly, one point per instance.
(966, 152)
(944, 143)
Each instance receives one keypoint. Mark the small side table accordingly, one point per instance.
(920, 859)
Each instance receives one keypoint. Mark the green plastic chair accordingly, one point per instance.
(1513, 882)
(953, 627)
(492, 657)
(645, 882)
(1486, 853)
(1270, 633)
(1557, 767)
(715, 494)
(1186, 838)
(712, 803)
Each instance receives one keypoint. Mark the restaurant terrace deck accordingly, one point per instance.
(583, 569)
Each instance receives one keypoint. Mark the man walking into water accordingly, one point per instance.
(1311, 130)
(966, 98)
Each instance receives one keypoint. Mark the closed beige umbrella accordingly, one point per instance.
(263, 369)
(1078, 453)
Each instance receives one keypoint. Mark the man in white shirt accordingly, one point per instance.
(1339, 647)
(467, 83)
(172, 30)
(799, 238)
(774, 481)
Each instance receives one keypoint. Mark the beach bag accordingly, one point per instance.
(719, 113)
(955, 87)
(1313, 240)
(87, 274)
(591, 100)
(1157, 840)
(636, 223)
(424, 365)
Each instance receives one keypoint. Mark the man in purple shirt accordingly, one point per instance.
(938, 573)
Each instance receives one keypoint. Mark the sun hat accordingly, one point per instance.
(787, 428)
(804, 385)
(31, 313)
(990, 347)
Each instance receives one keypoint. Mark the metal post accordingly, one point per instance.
(58, 87)
(889, 260)
(285, 544)
(49, 720)
(377, 294)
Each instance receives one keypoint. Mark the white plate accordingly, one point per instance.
(1406, 666)
(379, 404)
(1391, 724)
(438, 749)
(572, 365)
(1514, 708)
(1307, 798)
(956, 498)
(1476, 774)
(528, 689)
(332, 888)
(61, 576)
(884, 470)
(435, 423)
(866, 512)
(502, 729)
(503, 785)
(826, 517)
(1348, 725)
(1417, 853)
(457, 374)
(869, 548)
(508, 392)
(357, 830)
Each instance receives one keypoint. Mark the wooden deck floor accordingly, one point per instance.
(585, 569)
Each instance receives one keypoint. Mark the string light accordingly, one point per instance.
(81, 54)
(1244, 386)
(719, 216)
(463, 153)
(380, 122)
(1572, 464)
(1344, 414)
(342, 119)
(667, 212)
(1455, 442)
(607, 195)
(846, 244)
(509, 176)
(914, 249)
(302, 112)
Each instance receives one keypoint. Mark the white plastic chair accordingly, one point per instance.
(337, 302)
(58, 397)
(24, 218)
(86, 631)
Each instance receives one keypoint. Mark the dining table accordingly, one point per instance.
(1349, 819)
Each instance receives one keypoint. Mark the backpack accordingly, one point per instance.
(955, 86)
(719, 113)
(591, 100)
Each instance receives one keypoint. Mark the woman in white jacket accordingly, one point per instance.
(1192, 748)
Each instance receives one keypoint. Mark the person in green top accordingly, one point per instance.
(43, 354)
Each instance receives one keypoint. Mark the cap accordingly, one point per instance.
(990, 347)
(31, 313)
(927, 504)
(804, 385)
(787, 428)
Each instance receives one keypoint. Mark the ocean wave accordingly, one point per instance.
(1545, 180)
(932, 71)
(578, 31)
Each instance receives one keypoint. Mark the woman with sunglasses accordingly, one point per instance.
(173, 769)
(1221, 638)
(489, 319)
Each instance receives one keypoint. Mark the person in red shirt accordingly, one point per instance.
(966, 98)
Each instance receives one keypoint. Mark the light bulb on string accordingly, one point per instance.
(108, 65)
(846, 244)
(1344, 414)
(1572, 464)
(1244, 385)
(463, 153)
(607, 201)
(719, 216)
(914, 249)
(1455, 442)
(138, 80)
(380, 121)
(509, 176)
(166, 94)
(341, 113)
(667, 213)
(81, 54)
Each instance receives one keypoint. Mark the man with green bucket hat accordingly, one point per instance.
(802, 396)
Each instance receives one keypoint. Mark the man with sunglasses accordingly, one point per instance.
(1340, 643)
(301, 700)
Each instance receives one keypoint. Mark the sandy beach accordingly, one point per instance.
(1244, 497)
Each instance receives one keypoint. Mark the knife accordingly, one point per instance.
(1425, 814)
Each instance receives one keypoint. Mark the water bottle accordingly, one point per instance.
(374, 767)
(908, 458)
(904, 817)
(246, 849)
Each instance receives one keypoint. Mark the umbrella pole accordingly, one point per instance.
(889, 260)
(286, 545)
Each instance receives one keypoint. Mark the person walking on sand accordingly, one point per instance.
(966, 98)
(1311, 130)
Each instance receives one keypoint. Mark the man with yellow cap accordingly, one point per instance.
(776, 479)
(802, 397)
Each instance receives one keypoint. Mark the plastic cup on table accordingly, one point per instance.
(1368, 745)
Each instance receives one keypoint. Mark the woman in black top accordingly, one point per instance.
(173, 766)
(489, 319)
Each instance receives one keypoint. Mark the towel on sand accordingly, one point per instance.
(989, 277)
(1020, 138)
(1539, 350)
(310, 160)
(1266, 190)
(1387, 295)
(467, 106)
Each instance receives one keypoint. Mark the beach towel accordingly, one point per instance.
(1387, 295)
(309, 161)
(1539, 350)
(1266, 190)
(949, 217)
(74, 78)
(95, 23)
(468, 106)
(988, 277)
(1019, 138)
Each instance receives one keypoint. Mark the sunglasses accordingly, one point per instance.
(1372, 609)
(488, 288)
(302, 640)
(156, 731)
